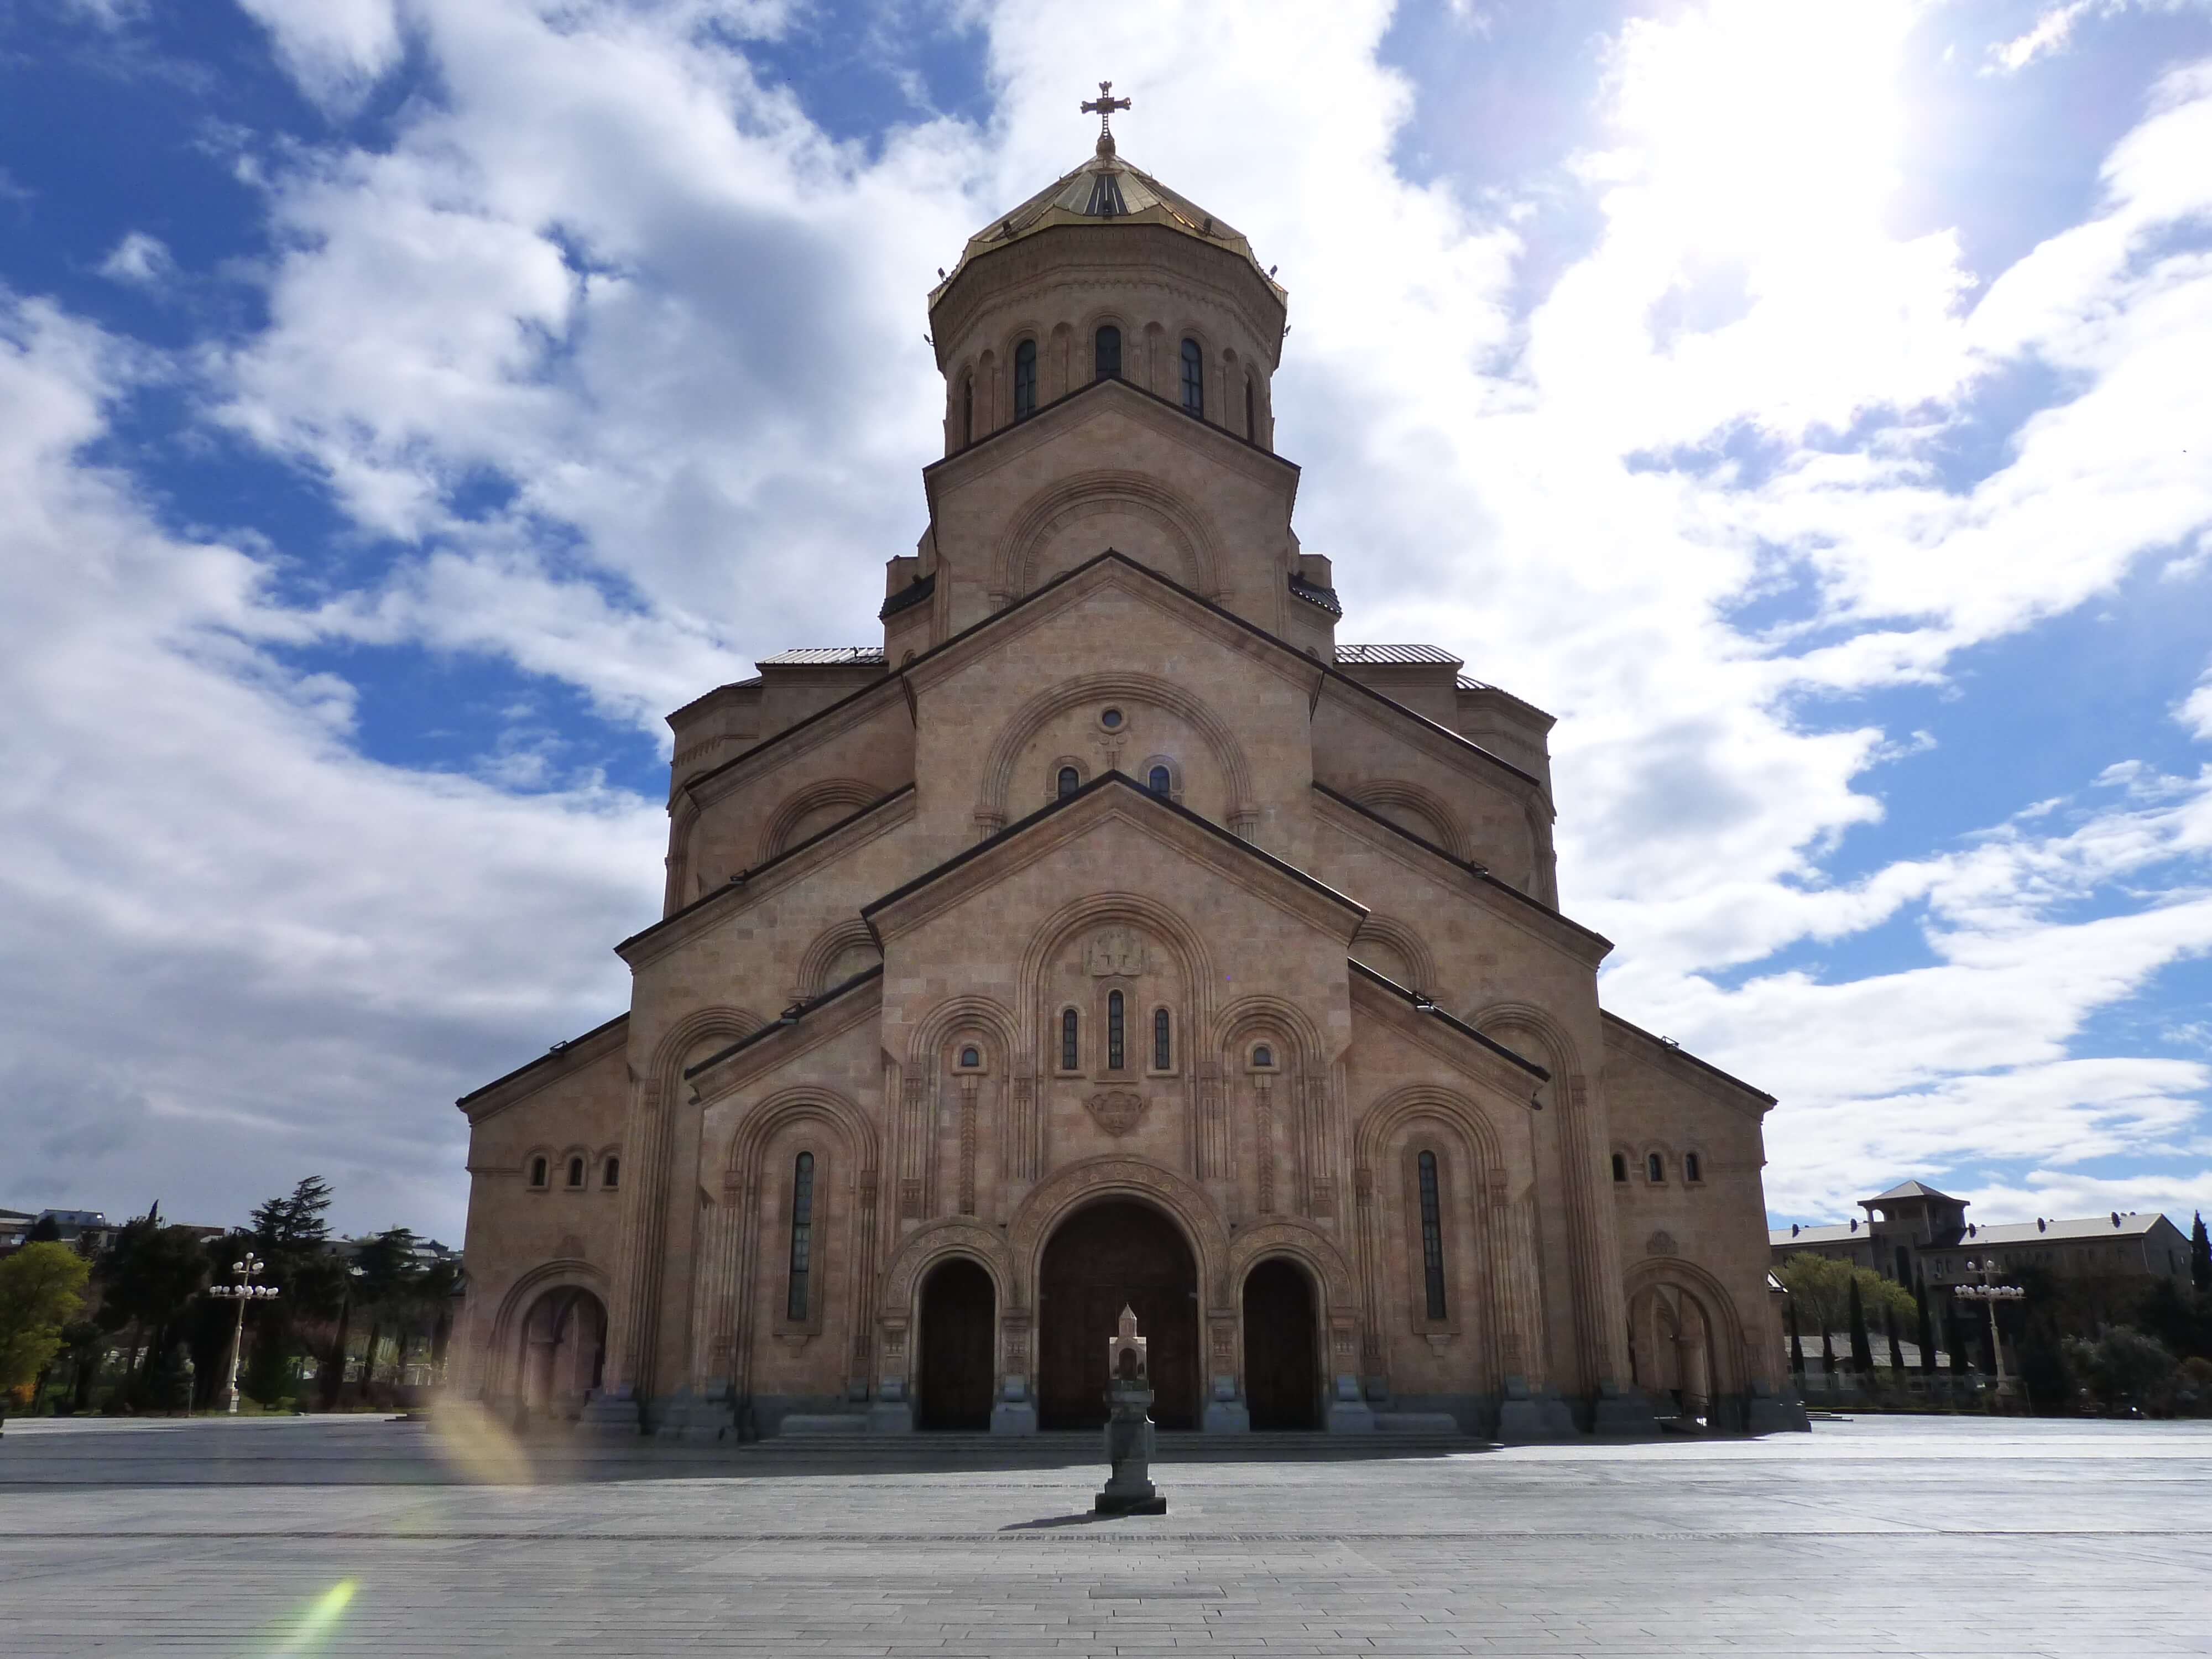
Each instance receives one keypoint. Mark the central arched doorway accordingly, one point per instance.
(1282, 1360)
(959, 1316)
(564, 1352)
(1102, 1256)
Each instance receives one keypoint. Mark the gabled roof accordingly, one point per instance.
(1910, 1189)
(790, 1017)
(572, 1049)
(1374, 655)
(1669, 1046)
(1422, 1004)
(2129, 1224)
(1840, 1233)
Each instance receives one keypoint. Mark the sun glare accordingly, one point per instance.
(1761, 126)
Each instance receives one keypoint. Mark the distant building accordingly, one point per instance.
(14, 1230)
(1913, 1231)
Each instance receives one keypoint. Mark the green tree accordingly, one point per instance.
(2119, 1365)
(39, 1294)
(2200, 1254)
(290, 1234)
(1861, 1349)
(1896, 1353)
(1926, 1326)
(45, 1230)
(147, 1278)
(389, 1289)
(1797, 1344)
(1821, 1290)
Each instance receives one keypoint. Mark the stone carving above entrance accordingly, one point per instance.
(1661, 1243)
(1116, 1110)
(1117, 953)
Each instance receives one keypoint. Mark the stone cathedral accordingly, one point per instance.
(1115, 932)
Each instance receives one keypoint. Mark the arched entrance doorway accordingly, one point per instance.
(564, 1352)
(959, 1315)
(1670, 1351)
(1102, 1256)
(1282, 1360)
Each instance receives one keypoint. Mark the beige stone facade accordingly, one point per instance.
(1115, 934)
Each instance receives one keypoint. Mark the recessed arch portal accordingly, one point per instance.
(1117, 1252)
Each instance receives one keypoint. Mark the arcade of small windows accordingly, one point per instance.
(1194, 379)
(575, 1175)
(1025, 380)
(1106, 354)
(798, 1299)
(1655, 1169)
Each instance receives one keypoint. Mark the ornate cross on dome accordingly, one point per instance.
(1104, 106)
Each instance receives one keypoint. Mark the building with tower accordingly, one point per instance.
(1113, 932)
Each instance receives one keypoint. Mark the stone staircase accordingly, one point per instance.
(943, 1449)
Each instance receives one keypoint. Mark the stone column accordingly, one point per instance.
(634, 1322)
(1594, 1265)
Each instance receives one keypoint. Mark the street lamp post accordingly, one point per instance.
(243, 1292)
(1989, 1295)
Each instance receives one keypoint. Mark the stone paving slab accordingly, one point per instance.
(1949, 1537)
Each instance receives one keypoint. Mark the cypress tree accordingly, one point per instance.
(1889, 1328)
(1862, 1347)
(1827, 1352)
(2200, 1256)
(1796, 1342)
(1927, 1329)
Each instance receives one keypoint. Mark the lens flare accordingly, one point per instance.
(316, 1623)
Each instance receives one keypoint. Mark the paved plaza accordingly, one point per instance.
(282, 1537)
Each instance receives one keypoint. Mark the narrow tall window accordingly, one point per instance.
(1692, 1170)
(1163, 1045)
(1116, 1046)
(1432, 1237)
(1656, 1167)
(1025, 380)
(1071, 1050)
(611, 1178)
(1621, 1166)
(1106, 354)
(967, 410)
(1069, 780)
(1161, 782)
(538, 1172)
(802, 1235)
(1194, 379)
(1251, 426)
(576, 1172)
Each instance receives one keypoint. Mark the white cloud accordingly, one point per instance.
(2195, 710)
(2052, 29)
(139, 259)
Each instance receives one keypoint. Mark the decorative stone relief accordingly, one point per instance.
(1116, 1110)
(1115, 953)
(1661, 1243)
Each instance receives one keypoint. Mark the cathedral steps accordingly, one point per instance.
(932, 1449)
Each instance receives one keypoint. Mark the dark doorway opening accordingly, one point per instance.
(1282, 1366)
(959, 1313)
(1112, 1253)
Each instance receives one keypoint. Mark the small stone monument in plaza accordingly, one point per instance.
(1128, 1489)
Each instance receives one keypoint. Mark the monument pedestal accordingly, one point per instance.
(1130, 1443)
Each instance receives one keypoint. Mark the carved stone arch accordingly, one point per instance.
(801, 1103)
(832, 942)
(1714, 1302)
(1417, 1100)
(937, 1241)
(1561, 1055)
(935, 1030)
(1013, 566)
(1029, 720)
(1247, 1014)
(1442, 826)
(1193, 960)
(1308, 1246)
(684, 819)
(563, 1273)
(851, 794)
(1087, 339)
(667, 1066)
(1409, 946)
(1185, 1203)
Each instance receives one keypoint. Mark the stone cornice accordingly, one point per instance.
(1458, 1044)
(800, 738)
(799, 1031)
(748, 887)
(1502, 899)
(563, 1060)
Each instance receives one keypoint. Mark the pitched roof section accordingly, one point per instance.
(825, 656)
(567, 1050)
(1420, 1004)
(2130, 1225)
(1910, 1189)
(1347, 656)
(1354, 656)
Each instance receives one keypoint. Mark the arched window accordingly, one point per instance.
(1106, 354)
(1071, 1050)
(967, 410)
(1251, 426)
(1656, 1167)
(576, 1172)
(610, 1173)
(1025, 380)
(1069, 780)
(1692, 1168)
(971, 1058)
(1432, 1237)
(1263, 1056)
(1621, 1166)
(1160, 782)
(1116, 1032)
(1162, 1041)
(1194, 379)
(795, 1302)
(538, 1172)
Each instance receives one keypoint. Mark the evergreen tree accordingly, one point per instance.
(1927, 1328)
(2200, 1256)
(1828, 1354)
(1797, 1344)
(1958, 1346)
(1862, 1348)
(47, 1231)
(1896, 1353)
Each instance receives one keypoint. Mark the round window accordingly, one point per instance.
(1111, 720)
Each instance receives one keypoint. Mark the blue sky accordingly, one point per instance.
(403, 404)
